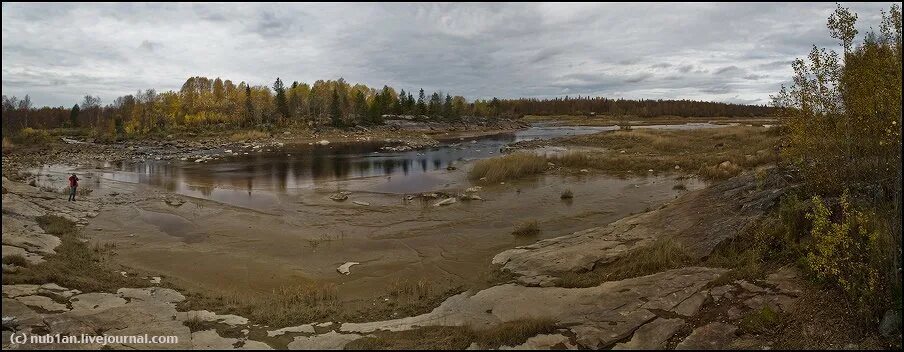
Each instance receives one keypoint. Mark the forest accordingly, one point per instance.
(202, 101)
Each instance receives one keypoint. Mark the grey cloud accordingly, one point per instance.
(59, 52)
(728, 70)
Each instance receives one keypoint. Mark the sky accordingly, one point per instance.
(730, 52)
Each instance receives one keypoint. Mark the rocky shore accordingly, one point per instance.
(396, 135)
(690, 307)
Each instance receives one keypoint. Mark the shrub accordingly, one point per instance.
(852, 252)
(31, 136)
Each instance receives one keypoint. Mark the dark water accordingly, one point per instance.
(306, 165)
(259, 178)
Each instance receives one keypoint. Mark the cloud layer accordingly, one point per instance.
(722, 52)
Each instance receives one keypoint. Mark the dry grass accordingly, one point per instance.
(507, 167)
(76, 265)
(15, 259)
(456, 337)
(285, 306)
(194, 323)
(661, 255)
(567, 194)
(716, 153)
(248, 135)
(527, 229)
(7, 144)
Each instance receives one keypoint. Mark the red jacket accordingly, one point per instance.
(73, 181)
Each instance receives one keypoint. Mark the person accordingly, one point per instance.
(73, 184)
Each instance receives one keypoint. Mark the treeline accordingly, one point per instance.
(621, 107)
(203, 102)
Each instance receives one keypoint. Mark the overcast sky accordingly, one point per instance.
(57, 53)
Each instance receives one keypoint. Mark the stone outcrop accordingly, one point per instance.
(698, 221)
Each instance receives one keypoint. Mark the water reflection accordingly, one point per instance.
(235, 178)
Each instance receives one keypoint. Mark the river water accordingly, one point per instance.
(259, 178)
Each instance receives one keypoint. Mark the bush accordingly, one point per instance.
(853, 252)
(31, 136)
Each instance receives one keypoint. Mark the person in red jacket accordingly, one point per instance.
(73, 184)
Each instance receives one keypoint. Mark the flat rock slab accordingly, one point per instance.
(544, 342)
(698, 220)
(712, 336)
(653, 335)
(598, 316)
(42, 302)
(329, 341)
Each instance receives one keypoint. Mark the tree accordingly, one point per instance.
(249, 106)
(282, 104)
(421, 104)
(336, 109)
(73, 116)
(436, 105)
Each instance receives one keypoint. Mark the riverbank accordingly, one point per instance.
(61, 148)
(444, 269)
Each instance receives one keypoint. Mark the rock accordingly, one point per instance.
(775, 302)
(31, 258)
(585, 170)
(692, 305)
(12, 291)
(151, 294)
(727, 165)
(361, 203)
(446, 201)
(91, 302)
(323, 142)
(43, 302)
(544, 342)
(344, 268)
(339, 197)
(653, 335)
(208, 316)
(718, 292)
(306, 328)
(712, 336)
(174, 202)
(697, 220)
(890, 325)
(329, 341)
(785, 280)
(751, 287)
(598, 316)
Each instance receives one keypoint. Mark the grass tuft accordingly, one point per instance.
(661, 255)
(567, 194)
(527, 229)
(507, 167)
(511, 333)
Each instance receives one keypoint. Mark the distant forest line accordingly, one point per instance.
(203, 102)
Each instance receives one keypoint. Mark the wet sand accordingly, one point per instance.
(214, 246)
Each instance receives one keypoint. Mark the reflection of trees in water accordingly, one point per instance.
(279, 171)
(205, 190)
